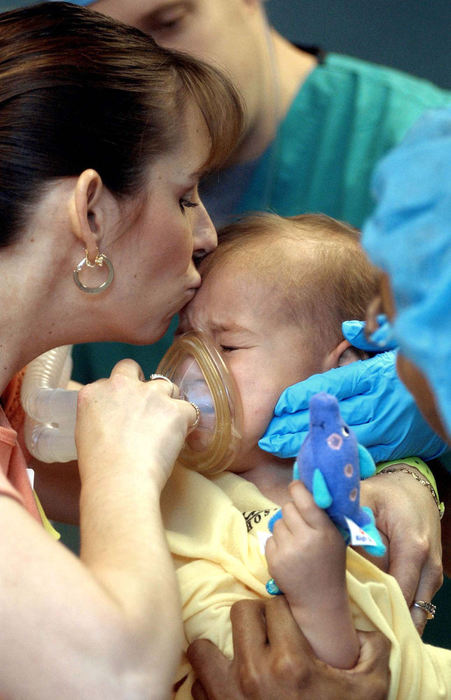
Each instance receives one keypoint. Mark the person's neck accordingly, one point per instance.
(29, 316)
(20, 342)
(286, 69)
(272, 477)
(12, 355)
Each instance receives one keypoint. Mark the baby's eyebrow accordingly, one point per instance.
(230, 327)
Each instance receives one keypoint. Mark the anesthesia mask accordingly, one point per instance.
(192, 362)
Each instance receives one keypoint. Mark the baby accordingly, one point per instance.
(273, 297)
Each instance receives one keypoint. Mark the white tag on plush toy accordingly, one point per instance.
(358, 536)
(263, 537)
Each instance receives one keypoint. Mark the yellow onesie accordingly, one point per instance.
(212, 527)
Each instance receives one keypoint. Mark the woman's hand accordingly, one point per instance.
(407, 515)
(125, 423)
(274, 660)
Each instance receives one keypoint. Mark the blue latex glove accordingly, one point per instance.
(381, 340)
(373, 402)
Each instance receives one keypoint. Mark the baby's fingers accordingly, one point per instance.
(313, 516)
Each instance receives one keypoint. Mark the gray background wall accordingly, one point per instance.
(412, 35)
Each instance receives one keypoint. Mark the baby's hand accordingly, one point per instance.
(306, 554)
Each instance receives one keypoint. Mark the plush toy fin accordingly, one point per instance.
(379, 548)
(274, 519)
(272, 587)
(366, 463)
(321, 494)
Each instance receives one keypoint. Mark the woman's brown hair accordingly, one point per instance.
(79, 90)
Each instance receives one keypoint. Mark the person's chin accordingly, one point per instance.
(146, 336)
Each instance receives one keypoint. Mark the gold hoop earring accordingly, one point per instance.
(99, 260)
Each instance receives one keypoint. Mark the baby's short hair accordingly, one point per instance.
(314, 264)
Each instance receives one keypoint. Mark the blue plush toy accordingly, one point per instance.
(331, 464)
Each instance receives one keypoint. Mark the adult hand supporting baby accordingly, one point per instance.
(407, 515)
(373, 402)
(274, 660)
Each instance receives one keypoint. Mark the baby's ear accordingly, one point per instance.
(343, 354)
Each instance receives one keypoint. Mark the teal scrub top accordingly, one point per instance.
(345, 117)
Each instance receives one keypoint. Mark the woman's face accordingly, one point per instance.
(153, 246)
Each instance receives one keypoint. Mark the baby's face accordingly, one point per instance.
(263, 352)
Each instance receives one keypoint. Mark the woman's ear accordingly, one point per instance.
(342, 354)
(85, 211)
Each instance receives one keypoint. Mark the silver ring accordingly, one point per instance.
(166, 379)
(197, 419)
(429, 608)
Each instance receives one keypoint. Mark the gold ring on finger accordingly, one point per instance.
(197, 419)
(429, 608)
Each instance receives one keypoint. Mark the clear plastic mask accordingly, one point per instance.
(194, 364)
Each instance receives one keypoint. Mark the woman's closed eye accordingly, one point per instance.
(228, 348)
(168, 20)
(187, 203)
